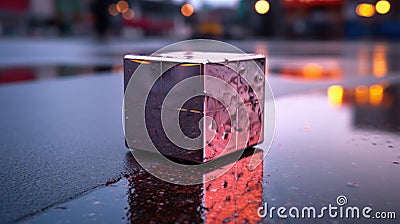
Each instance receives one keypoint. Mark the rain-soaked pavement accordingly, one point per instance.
(63, 158)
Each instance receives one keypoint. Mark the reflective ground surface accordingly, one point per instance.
(63, 158)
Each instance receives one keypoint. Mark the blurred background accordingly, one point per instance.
(53, 38)
(224, 19)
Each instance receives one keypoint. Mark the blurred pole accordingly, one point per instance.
(101, 18)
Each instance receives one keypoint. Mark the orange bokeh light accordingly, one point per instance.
(365, 10)
(375, 94)
(112, 9)
(122, 6)
(312, 71)
(128, 15)
(379, 61)
(187, 10)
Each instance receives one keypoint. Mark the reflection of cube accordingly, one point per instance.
(190, 88)
(235, 196)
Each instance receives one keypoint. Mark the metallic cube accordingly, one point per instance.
(194, 106)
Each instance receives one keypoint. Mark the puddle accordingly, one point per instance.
(343, 61)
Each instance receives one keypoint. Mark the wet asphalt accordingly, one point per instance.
(63, 137)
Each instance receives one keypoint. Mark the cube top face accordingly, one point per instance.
(196, 57)
(215, 98)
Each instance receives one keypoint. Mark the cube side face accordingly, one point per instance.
(241, 125)
(158, 113)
